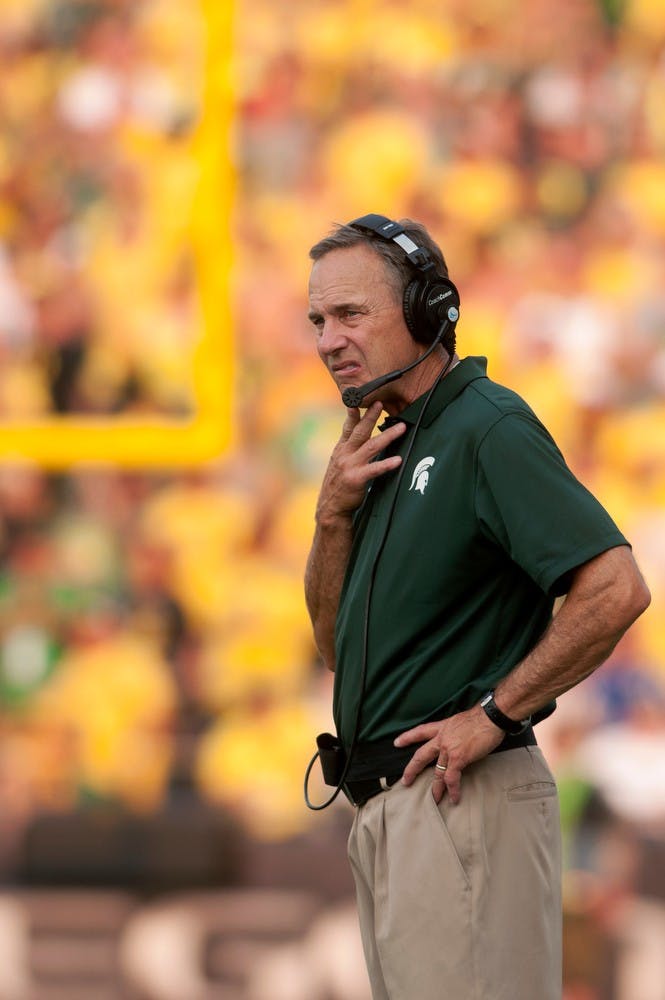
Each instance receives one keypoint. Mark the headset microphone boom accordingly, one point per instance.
(353, 395)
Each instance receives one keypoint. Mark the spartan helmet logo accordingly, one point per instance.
(421, 474)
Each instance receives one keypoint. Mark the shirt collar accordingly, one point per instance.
(468, 370)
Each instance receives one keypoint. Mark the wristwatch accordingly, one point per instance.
(494, 713)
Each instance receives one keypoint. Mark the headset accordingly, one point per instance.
(428, 296)
(430, 302)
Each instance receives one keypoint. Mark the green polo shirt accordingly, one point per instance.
(488, 522)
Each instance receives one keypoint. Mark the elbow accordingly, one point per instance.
(625, 587)
(643, 599)
(327, 657)
(635, 599)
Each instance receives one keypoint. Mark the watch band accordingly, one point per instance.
(499, 718)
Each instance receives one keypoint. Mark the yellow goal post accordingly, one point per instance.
(59, 442)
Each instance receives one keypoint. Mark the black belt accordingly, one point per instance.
(390, 762)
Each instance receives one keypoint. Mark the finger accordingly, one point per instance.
(377, 442)
(362, 433)
(440, 768)
(426, 731)
(421, 759)
(439, 785)
(376, 469)
(352, 420)
(452, 783)
(367, 451)
(363, 426)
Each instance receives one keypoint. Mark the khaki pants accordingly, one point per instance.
(463, 902)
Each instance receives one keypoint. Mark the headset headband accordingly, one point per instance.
(387, 229)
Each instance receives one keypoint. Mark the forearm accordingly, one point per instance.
(353, 464)
(324, 576)
(606, 597)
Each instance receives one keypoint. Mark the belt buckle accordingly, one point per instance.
(372, 786)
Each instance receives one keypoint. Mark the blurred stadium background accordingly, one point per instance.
(164, 167)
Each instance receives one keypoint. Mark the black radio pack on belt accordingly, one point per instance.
(371, 767)
(332, 757)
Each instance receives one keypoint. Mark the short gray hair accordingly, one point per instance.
(398, 266)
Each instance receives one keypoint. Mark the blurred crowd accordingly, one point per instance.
(97, 286)
(153, 626)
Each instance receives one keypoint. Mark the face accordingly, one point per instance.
(360, 328)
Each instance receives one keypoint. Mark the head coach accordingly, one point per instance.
(440, 547)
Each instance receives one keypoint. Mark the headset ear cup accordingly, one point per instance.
(425, 306)
(421, 319)
(410, 308)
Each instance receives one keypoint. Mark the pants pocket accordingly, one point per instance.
(532, 790)
(438, 817)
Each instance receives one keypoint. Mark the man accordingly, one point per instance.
(440, 547)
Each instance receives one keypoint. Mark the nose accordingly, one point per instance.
(332, 337)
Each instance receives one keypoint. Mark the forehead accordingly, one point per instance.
(352, 271)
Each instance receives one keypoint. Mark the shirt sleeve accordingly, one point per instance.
(531, 505)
